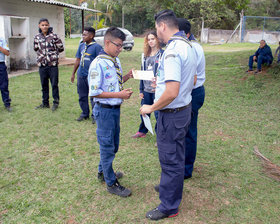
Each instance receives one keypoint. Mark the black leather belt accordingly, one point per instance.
(174, 110)
(108, 106)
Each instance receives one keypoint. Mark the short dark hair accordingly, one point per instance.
(44, 20)
(168, 17)
(90, 29)
(114, 32)
(184, 25)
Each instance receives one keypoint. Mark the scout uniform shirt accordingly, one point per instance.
(178, 63)
(87, 53)
(103, 78)
(4, 45)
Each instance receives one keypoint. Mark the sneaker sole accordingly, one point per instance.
(171, 216)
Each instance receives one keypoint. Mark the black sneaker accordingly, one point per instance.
(258, 71)
(119, 190)
(249, 71)
(156, 188)
(81, 118)
(42, 106)
(54, 107)
(156, 214)
(92, 120)
(100, 176)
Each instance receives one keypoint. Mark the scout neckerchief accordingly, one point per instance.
(118, 70)
(180, 36)
(84, 52)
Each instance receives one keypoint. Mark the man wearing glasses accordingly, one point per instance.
(106, 87)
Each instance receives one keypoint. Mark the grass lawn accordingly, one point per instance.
(49, 161)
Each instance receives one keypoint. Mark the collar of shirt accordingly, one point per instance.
(191, 37)
(178, 34)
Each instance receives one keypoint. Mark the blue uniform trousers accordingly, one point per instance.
(82, 88)
(260, 60)
(4, 84)
(108, 135)
(49, 73)
(198, 96)
(149, 100)
(171, 133)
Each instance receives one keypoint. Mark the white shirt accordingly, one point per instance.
(200, 69)
(178, 63)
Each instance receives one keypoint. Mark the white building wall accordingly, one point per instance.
(34, 11)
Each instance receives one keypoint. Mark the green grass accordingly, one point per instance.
(49, 161)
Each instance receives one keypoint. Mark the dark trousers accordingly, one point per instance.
(260, 60)
(4, 84)
(198, 96)
(149, 100)
(49, 73)
(171, 133)
(108, 137)
(82, 87)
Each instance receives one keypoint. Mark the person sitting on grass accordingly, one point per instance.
(263, 55)
(278, 51)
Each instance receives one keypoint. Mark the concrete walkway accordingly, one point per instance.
(63, 61)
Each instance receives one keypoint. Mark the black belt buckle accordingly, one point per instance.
(108, 106)
(174, 110)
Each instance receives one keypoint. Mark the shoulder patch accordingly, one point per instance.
(93, 74)
(170, 56)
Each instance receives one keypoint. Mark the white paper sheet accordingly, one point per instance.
(143, 75)
(148, 124)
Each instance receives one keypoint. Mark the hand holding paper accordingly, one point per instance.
(143, 75)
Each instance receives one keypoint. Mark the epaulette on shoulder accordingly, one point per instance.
(182, 39)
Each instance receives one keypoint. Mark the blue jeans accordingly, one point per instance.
(198, 96)
(82, 88)
(171, 134)
(260, 60)
(4, 84)
(108, 137)
(149, 100)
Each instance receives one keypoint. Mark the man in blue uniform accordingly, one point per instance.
(87, 52)
(106, 86)
(175, 79)
(262, 55)
(198, 95)
(4, 81)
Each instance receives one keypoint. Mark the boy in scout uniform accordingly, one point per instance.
(175, 80)
(88, 50)
(4, 81)
(106, 86)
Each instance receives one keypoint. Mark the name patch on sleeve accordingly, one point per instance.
(170, 56)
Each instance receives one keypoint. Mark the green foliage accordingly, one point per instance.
(98, 24)
(67, 22)
(139, 14)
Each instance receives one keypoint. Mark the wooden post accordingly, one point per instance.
(70, 21)
(83, 25)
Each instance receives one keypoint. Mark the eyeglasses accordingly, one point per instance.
(117, 45)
